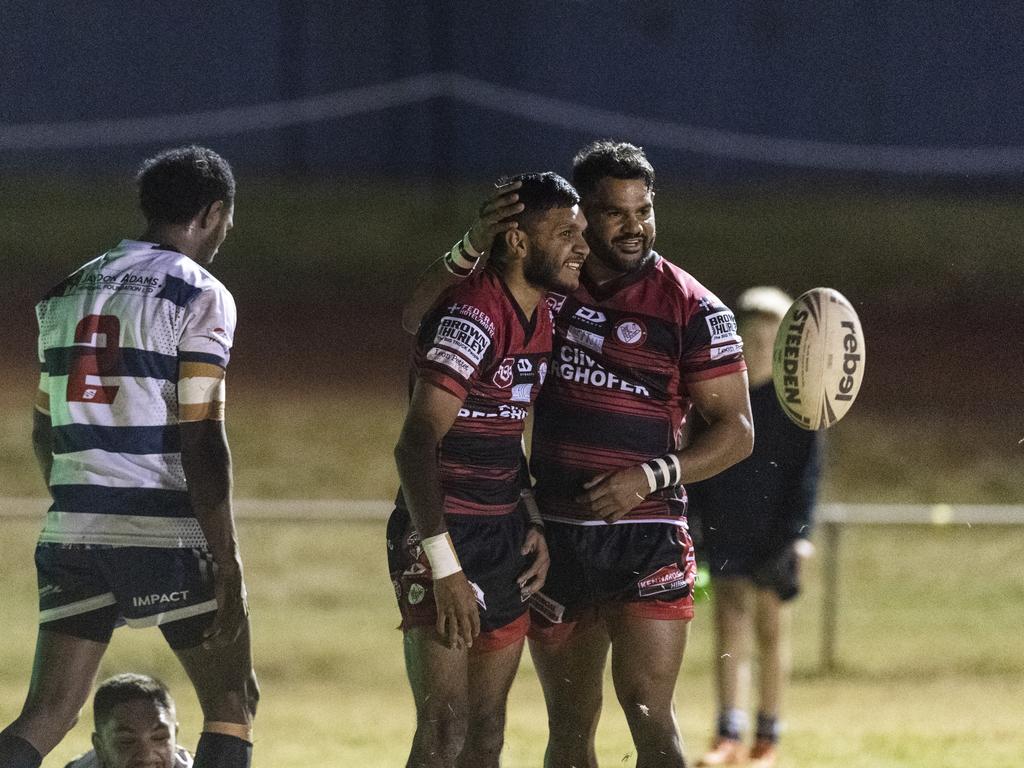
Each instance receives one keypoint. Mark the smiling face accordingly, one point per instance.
(138, 734)
(620, 226)
(557, 249)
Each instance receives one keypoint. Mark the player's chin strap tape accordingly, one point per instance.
(441, 553)
(239, 731)
(462, 259)
(663, 473)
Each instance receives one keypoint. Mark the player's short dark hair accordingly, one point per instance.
(124, 688)
(539, 192)
(617, 159)
(178, 183)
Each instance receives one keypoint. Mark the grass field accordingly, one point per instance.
(929, 648)
(930, 619)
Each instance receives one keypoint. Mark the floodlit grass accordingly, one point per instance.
(929, 655)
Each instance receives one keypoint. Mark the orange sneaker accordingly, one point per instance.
(765, 754)
(724, 752)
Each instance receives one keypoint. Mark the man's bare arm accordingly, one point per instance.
(432, 411)
(492, 220)
(42, 443)
(206, 461)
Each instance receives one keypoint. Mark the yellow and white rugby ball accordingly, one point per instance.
(818, 359)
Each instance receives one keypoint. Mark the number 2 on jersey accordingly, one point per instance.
(94, 360)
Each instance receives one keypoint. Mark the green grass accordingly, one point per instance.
(929, 655)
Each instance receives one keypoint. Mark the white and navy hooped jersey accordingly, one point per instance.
(111, 337)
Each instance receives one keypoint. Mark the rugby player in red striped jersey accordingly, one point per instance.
(637, 344)
(458, 548)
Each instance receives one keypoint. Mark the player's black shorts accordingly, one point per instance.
(646, 569)
(86, 591)
(489, 549)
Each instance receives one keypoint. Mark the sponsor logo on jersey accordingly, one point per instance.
(555, 301)
(630, 332)
(577, 366)
(505, 411)
(416, 594)
(475, 314)
(593, 341)
(666, 579)
(451, 360)
(160, 599)
(550, 609)
(523, 365)
(504, 375)
(521, 393)
(728, 349)
(464, 336)
(588, 315)
(542, 371)
(722, 326)
(129, 282)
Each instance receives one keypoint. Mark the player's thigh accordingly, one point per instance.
(223, 677)
(647, 654)
(571, 669)
(63, 672)
(438, 675)
(490, 677)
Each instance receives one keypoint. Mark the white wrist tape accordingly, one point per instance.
(664, 472)
(467, 246)
(441, 553)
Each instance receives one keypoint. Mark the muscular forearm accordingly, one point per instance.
(206, 460)
(416, 459)
(42, 443)
(430, 285)
(724, 443)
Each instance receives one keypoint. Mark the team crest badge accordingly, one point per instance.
(505, 373)
(632, 333)
(416, 594)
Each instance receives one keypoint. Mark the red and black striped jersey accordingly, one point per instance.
(479, 345)
(624, 354)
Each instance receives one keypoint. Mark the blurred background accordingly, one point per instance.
(876, 148)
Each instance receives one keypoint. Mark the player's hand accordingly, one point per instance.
(803, 548)
(232, 607)
(611, 495)
(458, 618)
(533, 578)
(491, 218)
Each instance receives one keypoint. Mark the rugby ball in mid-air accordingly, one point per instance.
(818, 359)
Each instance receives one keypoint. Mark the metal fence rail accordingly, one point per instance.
(831, 518)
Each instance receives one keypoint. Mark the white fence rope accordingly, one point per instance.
(545, 110)
(340, 510)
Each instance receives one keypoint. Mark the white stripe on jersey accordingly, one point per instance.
(121, 530)
(119, 470)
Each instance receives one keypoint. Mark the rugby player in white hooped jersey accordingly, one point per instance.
(129, 434)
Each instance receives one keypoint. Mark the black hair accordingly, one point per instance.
(539, 192)
(178, 183)
(128, 687)
(617, 159)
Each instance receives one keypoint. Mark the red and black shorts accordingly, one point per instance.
(489, 549)
(646, 570)
(87, 590)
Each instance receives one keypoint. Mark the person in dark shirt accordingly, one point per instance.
(753, 521)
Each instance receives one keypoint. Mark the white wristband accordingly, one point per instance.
(441, 553)
(663, 472)
(467, 246)
(459, 256)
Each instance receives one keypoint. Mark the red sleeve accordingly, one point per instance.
(455, 343)
(712, 346)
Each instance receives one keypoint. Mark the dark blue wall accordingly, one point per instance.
(914, 74)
